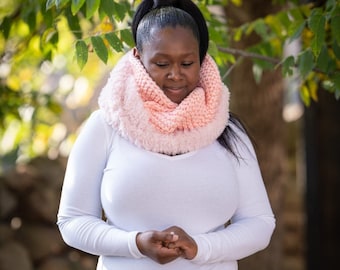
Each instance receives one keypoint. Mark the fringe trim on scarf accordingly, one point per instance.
(140, 111)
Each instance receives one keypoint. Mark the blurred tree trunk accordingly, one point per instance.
(260, 107)
(322, 141)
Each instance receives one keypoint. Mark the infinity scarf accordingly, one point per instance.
(139, 110)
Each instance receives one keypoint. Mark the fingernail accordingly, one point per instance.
(174, 236)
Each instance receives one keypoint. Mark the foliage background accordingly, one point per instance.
(49, 52)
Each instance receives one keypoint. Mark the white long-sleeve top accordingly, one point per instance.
(140, 190)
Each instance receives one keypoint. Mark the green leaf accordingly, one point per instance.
(317, 22)
(336, 81)
(216, 35)
(120, 11)
(81, 53)
(296, 14)
(295, 30)
(284, 19)
(57, 3)
(61, 3)
(212, 50)
(287, 66)
(265, 65)
(48, 16)
(100, 48)
(91, 7)
(126, 37)
(6, 27)
(114, 41)
(305, 62)
(228, 58)
(205, 11)
(335, 25)
(275, 25)
(31, 19)
(49, 36)
(50, 4)
(53, 105)
(264, 49)
(73, 23)
(328, 85)
(336, 49)
(261, 28)
(76, 5)
(323, 60)
(107, 6)
(48, 53)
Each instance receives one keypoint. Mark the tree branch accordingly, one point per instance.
(238, 52)
(272, 60)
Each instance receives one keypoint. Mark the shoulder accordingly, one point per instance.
(97, 117)
(97, 128)
(97, 120)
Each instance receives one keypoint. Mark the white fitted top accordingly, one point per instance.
(139, 190)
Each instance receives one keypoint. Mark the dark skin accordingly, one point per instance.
(172, 61)
(166, 246)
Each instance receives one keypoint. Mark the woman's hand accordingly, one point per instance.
(155, 245)
(186, 245)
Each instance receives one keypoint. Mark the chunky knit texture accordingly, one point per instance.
(196, 110)
(139, 110)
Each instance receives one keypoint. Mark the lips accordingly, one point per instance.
(174, 89)
(175, 94)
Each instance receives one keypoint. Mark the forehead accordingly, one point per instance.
(170, 38)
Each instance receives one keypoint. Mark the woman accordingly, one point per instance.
(176, 177)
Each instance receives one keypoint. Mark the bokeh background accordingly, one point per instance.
(280, 60)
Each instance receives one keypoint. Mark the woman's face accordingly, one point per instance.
(172, 60)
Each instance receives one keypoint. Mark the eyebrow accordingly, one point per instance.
(167, 55)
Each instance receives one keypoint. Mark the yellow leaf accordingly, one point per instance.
(238, 34)
(106, 27)
(13, 82)
(304, 93)
(313, 90)
(269, 19)
(237, 3)
(276, 44)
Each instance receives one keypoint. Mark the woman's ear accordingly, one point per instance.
(136, 53)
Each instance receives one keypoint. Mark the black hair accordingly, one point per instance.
(161, 18)
(174, 12)
(229, 135)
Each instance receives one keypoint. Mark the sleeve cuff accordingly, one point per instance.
(203, 250)
(133, 246)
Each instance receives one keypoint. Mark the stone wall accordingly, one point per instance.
(29, 237)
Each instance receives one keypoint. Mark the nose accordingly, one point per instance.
(175, 73)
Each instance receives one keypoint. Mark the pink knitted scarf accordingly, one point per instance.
(139, 110)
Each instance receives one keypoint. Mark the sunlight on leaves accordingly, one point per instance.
(100, 48)
(81, 53)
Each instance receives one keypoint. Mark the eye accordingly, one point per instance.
(162, 64)
(187, 64)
